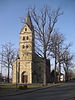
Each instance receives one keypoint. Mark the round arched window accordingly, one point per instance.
(26, 46)
(23, 37)
(27, 38)
(23, 46)
(25, 29)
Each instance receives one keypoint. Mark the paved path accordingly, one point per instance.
(64, 92)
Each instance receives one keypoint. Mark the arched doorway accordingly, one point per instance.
(24, 77)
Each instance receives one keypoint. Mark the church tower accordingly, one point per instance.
(26, 52)
(28, 67)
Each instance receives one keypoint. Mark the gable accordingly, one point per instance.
(25, 29)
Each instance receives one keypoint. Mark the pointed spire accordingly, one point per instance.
(28, 21)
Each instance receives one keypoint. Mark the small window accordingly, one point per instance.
(26, 46)
(25, 29)
(27, 37)
(23, 38)
(23, 46)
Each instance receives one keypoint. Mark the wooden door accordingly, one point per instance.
(25, 79)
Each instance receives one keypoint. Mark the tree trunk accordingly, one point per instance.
(45, 74)
(45, 69)
(55, 71)
(8, 73)
(66, 74)
(59, 71)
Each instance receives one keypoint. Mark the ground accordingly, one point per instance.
(61, 92)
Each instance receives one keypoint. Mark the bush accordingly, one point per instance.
(22, 87)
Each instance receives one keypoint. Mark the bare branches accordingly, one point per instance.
(53, 18)
(8, 53)
(44, 25)
(8, 56)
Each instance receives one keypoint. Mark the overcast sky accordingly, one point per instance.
(11, 12)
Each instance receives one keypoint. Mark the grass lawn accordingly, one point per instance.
(7, 88)
(7, 91)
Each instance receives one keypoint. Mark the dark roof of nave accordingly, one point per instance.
(38, 59)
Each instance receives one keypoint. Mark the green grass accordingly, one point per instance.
(8, 91)
(7, 88)
(7, 85)
(35, 86)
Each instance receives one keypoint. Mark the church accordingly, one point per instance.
(28, 67)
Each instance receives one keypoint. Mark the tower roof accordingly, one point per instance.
(28, 21)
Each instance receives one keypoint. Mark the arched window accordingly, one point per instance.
(23, 46)
(27, 37)
(25, 29)
(26, 46)
(23, 37)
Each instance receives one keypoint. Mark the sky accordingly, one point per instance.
(12, 11)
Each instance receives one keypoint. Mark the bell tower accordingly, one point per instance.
(28, 66)
(26, 51)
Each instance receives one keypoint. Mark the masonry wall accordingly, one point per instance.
(14, 73)
(38, 70)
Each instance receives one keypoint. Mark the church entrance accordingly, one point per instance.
(24, 78)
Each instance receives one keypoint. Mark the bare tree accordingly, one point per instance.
(8, 55)
(70, 74)
(44, 24)
(67, 62)
(57, 41)
(61, 54)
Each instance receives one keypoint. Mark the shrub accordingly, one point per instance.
(22, 87)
